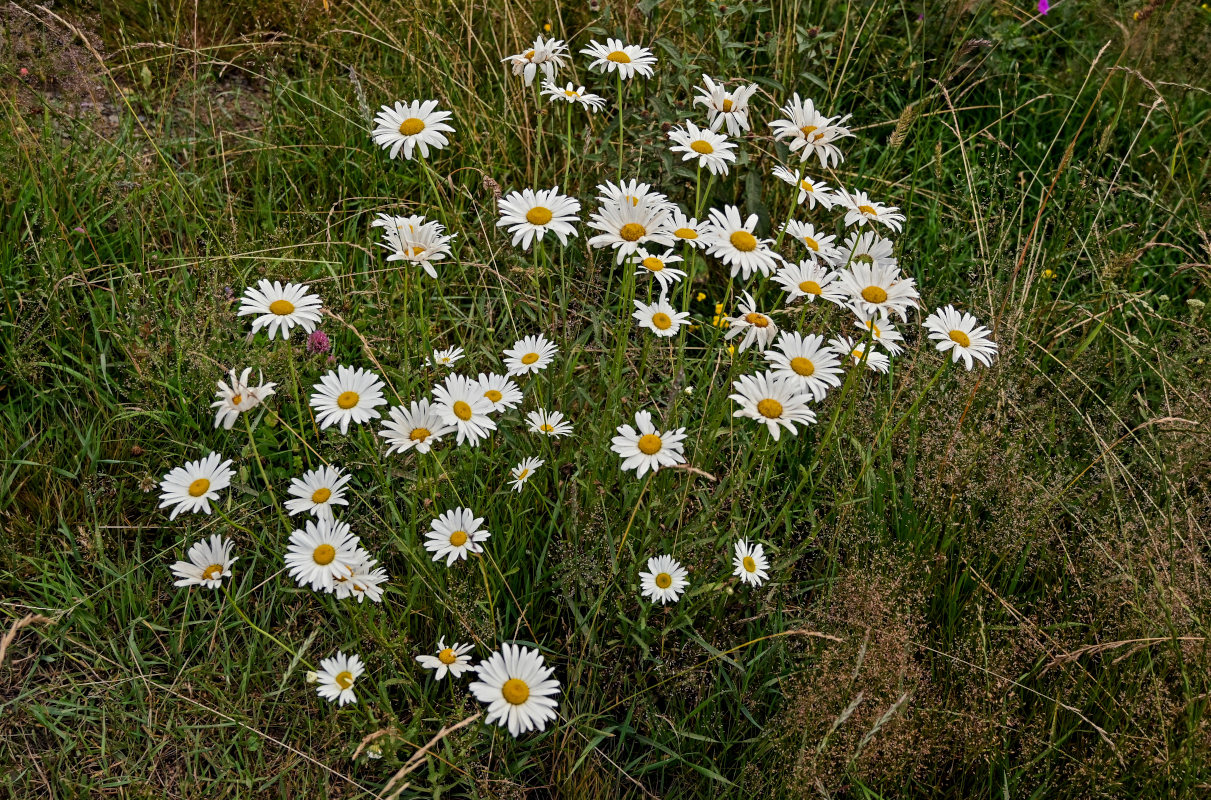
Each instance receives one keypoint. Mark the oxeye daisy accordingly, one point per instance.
(664, 581)
(548, 423)
(732, 241)
(687, 229)
(756, 327)
(191, 487)
(523, 472)
(811, 190)
(751, 563)
(632, 193)
(336, 677)
(625, 59)
(461, 403)
(280, 307)
(573, 94)
(501, 392)
(362, 581)
(805, 361)
(773, 401)
(412, 126)
(209, 562)
(810, 279)
(345, 395)
(452, 660)
(530, 354)
(454, 534)
(445, 358)
(547, 55)
(318, 491)
(712, 150)
(658, 267)
(660, 317)
(876, 289)
(809, 131)
(238, 397)
(868, 248)
(819, 245)
(860, 209)
(320, 553)
(724, 106)
(882, 331)
(626, 226)
(415, 240)
(646, 447)
(963, 335)
(857, 352)
(518, 689)
(419, 427)
(529, 215)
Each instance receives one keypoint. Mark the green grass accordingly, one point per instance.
(994, 585)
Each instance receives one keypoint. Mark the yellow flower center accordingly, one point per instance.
(769, 408)
(686, 233)
(749, 564)
(415, 252)
(664, 580)
(521, 476)
(199, 487)
(857, 353)
(515, 691)
(619, 57)
(649, 444)
(281, 307)
(324, 555)
(458, 538)
(236, 399)
(812, 243)
(570, 93)
(321, 495)
(662, 320)
(411, 126)
(344, 679)
(874, 294)
(632, 231)
(743, 241)
(806, 130)
(538, 215)
(529, 358)
(653, 263)
(546, 427)
(528, 54)
(493, 395)
(347, 400)
(702, 147)
(447, 656)
(728, 105)
(805, 186)
(810, 287)
(419, 434)
(960, 338)
(462, 410)
(213, 572)
(868, 210)
(803, 366)
(756, 320)
(873, 328)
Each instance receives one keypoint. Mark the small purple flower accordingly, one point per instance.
(1044, 6)
(318, 342)
(79, 230)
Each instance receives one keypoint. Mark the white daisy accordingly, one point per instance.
(712, 150)
(645, 447)
(362, 581)
(318, 491)
(461, 403)
(547, 55)
(879, 289)
(774, 401)
(687, 229)
(336, 677)
(415, 240)
(454, 534)
(573, 94)
(658, 267)
(819, 245)
(518, 689)
(345, 395)
(882, 331)
(445, 358)
(724, 106)
(191, 487)
(238, 397)
(419, 427)
(452, 660)
(813, 191)
(856, 351)
(756, 327)
(806, 361)
(627, 59)
(811, 279)
(810, 132)
(868, 248)
(627, 225)
(410, 126)
(548, 423)
(501, 392)
(963, 335)
(733, 243)
(530, 354)
(632, 193)
(664, 581)
(322, 552)
(660, 317)
(860, 209)
(209, 562)
(524, 471)
(281, 307)
(751, 563)
(529, 215)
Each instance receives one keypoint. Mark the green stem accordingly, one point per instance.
(262, 631)
(620, 127)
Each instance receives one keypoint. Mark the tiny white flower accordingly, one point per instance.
(452, 660)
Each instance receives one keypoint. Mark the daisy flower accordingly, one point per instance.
(412, 126)
(810, 132)
(645, 447)
(625, 59)
(876, 289)
(238, 397)
(751, 563)
(687, 229)
(724, 106)
(454, 534)
(453, 660)
(860, 209)
(501, 392)
(530, 354)
(809, 279)
(336, 676)
(281, 307)
(631, 193)
(209, 562)
(362, 581)
(524, 471)
(869, 248)
(568, 94)
(347, 395)
(660, 317)
(774, 401)
(547, 55)
(518, 689)
(529, 215)
(658, 267)
(445, 358)
(963, 335)
(190, 488)
(733, 243)
(461, 403)
(882, 331)
(813, 191)
(318, 491)
(845, 346)
(415, 240)
(757, 328)
(711, 149)
(550, 423)
(819, 245)
(322, 552)
(805, 361)
(627, 224)
(664, 581)
(419, 427)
